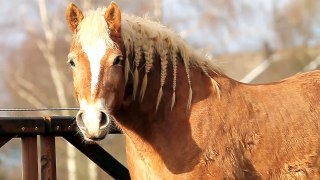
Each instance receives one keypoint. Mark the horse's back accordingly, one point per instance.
(290, 137)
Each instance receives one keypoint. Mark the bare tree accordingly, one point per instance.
(47, 47)
(293, 22)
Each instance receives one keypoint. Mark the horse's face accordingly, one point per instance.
(97, 65)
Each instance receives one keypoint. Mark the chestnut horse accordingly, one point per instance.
(182, 117)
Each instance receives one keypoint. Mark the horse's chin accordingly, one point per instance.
(95, 136)
(94, 140)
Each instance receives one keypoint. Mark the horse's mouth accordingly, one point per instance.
(93, 140)
(98, 138)
(99, 133)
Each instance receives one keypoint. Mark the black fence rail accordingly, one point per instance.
(49, 127)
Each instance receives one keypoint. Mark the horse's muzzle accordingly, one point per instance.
(93, 124)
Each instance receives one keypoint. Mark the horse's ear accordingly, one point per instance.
(74, 16)
(113, 18)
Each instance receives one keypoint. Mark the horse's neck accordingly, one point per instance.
(159, 131)
(135, 113)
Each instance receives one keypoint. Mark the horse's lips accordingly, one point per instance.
(93, 140)
(99, 138)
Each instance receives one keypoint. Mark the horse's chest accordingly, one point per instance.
(140, 165)
(142, 168)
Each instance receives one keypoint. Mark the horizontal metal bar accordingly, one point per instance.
(48, 125)
(101, 157)
(59, 125)
(38, 109)
(21, 126)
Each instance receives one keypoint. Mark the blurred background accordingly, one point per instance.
(252, 41)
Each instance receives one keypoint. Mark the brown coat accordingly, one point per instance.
(267, 131)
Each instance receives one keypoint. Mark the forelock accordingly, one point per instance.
(94, 28)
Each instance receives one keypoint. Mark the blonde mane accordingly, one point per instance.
(143, 38)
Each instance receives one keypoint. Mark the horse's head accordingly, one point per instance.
(96, 58)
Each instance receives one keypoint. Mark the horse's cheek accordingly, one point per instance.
(117, 81)
(118, 90)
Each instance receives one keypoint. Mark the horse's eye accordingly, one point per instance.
(71, 62)
(118, 60)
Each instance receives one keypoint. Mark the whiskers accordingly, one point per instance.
(80, 134)
(114, 127)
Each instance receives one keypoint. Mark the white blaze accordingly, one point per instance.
(95, 52)
(94, 37)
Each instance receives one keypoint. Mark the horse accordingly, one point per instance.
(182, 117)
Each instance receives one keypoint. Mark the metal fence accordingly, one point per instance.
(49, 127)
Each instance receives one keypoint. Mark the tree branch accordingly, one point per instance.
(47, 49)
(28, 96)
(314, 64)
(254, 73)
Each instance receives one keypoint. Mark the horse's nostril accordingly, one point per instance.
(79, 119)
(80, 115)
(104, 119)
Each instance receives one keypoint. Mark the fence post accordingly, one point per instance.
(48, 157)
(29, 158)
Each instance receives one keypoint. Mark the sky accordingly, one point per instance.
(252, 25)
